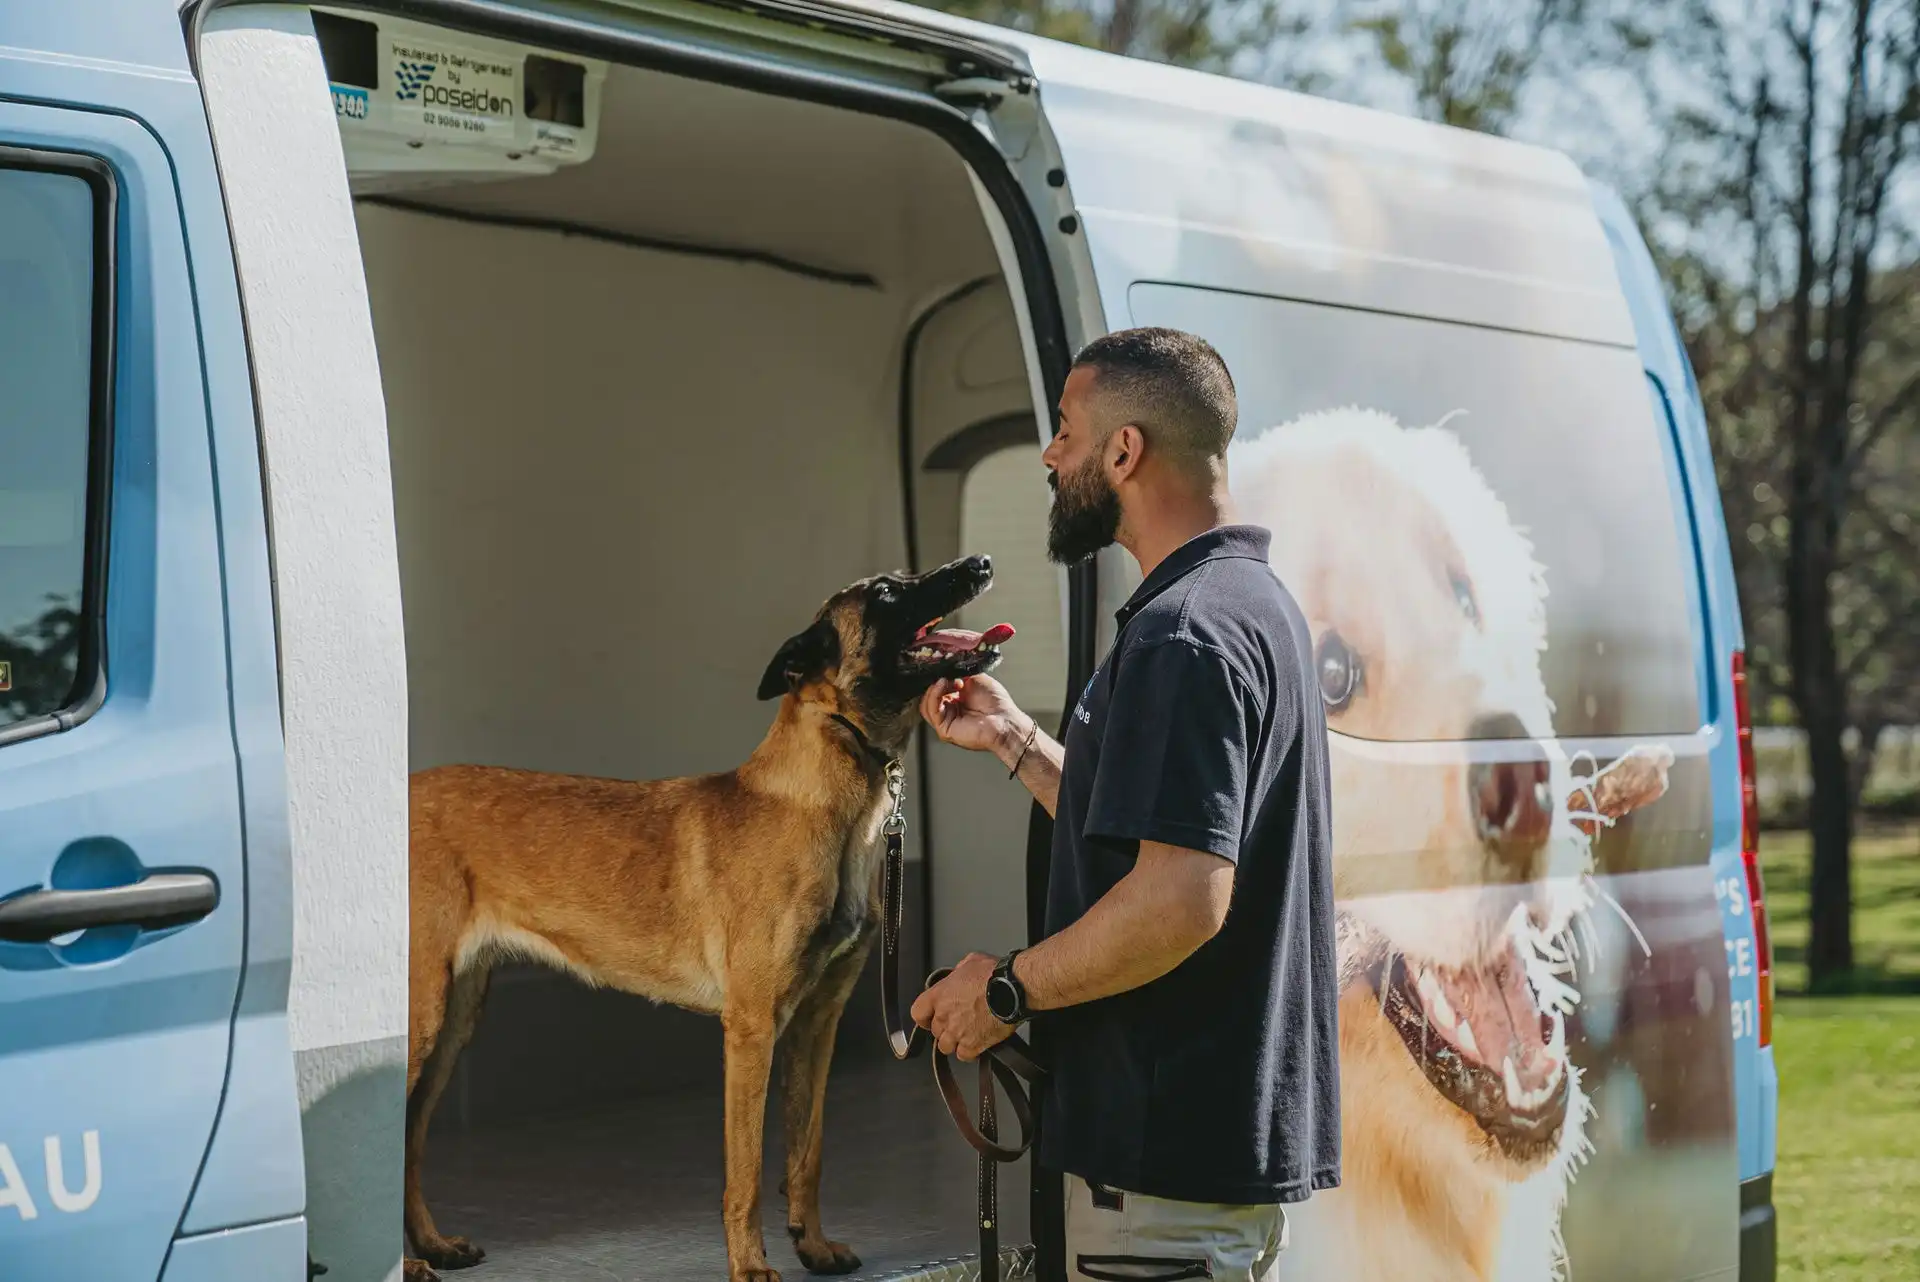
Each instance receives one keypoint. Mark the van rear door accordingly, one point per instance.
(122, 896)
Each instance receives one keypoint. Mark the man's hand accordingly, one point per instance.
(975, 713)
(955, 1009)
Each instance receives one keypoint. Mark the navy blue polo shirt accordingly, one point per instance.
(1219, 1081)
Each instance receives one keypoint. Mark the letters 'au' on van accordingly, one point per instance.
(390, 386)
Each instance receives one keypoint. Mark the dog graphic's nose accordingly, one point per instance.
(1511, 795)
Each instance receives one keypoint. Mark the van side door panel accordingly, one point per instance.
(114, 1032)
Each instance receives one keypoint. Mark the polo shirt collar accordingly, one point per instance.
(1223, 542)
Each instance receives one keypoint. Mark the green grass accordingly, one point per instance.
(1847, 1186)
(1886, 909)
(1847, 1183)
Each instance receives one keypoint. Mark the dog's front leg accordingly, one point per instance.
(749, 1038)
(808, 1048)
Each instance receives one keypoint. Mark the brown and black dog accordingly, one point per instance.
(750, 895)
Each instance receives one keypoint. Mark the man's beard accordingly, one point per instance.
(1085, 516)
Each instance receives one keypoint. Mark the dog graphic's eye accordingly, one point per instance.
(1340, 675)
(1463, 595)
(884, 593)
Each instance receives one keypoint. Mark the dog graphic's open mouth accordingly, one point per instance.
(1481, 1036)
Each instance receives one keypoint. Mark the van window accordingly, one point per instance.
(1003, 512)
(47, 234)
(1479, 524)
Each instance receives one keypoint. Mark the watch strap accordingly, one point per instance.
(1004, 973)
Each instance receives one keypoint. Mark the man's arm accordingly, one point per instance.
(1153, 919)
(1034, 756)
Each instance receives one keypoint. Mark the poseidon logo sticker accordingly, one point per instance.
(411, 77)
(457, 91)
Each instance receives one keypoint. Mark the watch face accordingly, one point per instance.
(1001, 999)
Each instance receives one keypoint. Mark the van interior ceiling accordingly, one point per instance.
(645, 413)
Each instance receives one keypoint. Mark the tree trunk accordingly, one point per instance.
(1830, 936)
(1123, 26)
(1820, 697)
(1866, 752)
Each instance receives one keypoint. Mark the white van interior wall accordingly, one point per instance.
(623, 479)
(623, 476)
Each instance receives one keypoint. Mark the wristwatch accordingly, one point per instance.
(1006, 999)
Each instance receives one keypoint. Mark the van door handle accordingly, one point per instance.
(155, 902)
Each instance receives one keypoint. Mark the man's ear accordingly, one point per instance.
(1124, 449)
(806, 654)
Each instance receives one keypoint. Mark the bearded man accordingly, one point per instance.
(1187, 981)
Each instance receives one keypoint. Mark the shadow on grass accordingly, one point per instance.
(1870, 979)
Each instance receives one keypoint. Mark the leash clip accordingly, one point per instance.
(896, 824)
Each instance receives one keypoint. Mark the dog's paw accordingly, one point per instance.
(451, 1253)
(821, 1255)
(760, 1274)
(412, 1270)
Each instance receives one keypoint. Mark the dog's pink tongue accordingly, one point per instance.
(960, 640)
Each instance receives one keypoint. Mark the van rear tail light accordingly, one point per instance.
(1750, 848)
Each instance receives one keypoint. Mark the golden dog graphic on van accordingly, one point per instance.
(1462, 851)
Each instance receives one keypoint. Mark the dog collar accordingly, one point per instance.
(872, 755)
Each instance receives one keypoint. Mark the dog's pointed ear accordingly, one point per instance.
(803, 655)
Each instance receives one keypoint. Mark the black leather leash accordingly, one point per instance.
(1011, 1063)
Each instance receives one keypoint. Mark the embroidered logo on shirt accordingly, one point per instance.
(1080, 712)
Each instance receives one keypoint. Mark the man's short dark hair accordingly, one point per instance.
(1172, 385)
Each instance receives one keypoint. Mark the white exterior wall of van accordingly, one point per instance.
(337, 590)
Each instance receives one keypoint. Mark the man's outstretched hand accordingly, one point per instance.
(975, 713)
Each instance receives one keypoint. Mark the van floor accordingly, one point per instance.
(634, 1192)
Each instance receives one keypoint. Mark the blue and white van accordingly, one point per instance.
(385, 385)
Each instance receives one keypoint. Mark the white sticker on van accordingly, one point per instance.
(454, 90)
(14, 1192)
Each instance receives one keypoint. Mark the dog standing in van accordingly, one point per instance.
(1461, 851)
(749, 895)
